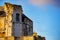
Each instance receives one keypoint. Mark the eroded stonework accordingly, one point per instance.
(14, 22)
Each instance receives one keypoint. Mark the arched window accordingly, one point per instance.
(17, 17)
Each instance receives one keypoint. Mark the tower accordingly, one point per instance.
(13, 20)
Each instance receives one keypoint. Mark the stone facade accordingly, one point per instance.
(13, 22)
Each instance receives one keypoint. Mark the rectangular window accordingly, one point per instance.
(17, 17)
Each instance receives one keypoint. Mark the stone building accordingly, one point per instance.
(13, 22)
(14, 25)
(38, 37)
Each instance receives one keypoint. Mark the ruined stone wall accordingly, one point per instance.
(8, 9)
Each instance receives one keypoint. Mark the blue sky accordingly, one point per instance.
(46, 18)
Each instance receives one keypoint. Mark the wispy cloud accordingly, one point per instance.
(39, 2)
(44, 2)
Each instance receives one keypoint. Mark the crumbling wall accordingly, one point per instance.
(8, 9)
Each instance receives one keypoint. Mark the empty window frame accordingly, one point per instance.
(17, 17)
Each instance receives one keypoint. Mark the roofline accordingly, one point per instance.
(27, 17)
